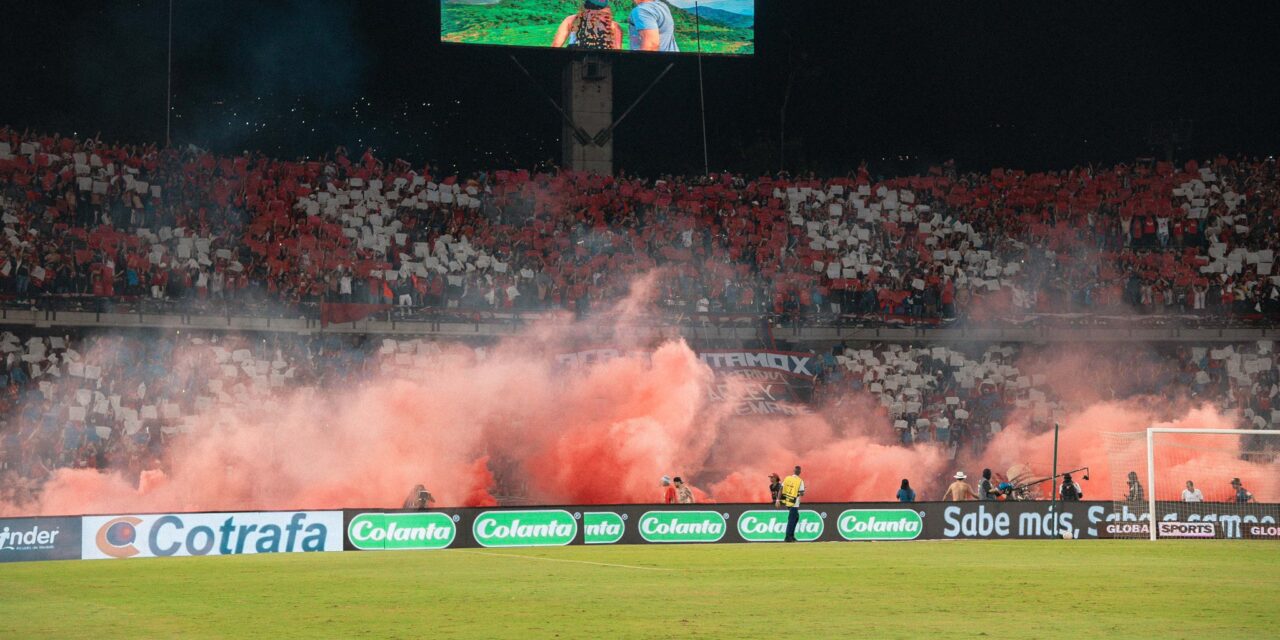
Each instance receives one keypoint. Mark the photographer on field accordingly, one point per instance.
(1070, 490)
(1134, 491)
(419, 499)
(986, 488)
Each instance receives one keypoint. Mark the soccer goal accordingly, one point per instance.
(1195, 483)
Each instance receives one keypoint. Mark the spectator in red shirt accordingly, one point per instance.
(668, 491)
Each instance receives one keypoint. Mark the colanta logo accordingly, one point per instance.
(543, 528)
(376, 531)
(880, 524)
(116, 537)
(771, 525)
(602, 527)
(682, 526)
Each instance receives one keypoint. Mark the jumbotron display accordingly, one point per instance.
(723, 27)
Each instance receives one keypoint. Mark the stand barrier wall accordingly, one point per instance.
(230, 533)
(826, 522)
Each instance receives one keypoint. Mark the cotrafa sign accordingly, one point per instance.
(202, 534)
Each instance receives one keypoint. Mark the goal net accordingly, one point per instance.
(1222, 483)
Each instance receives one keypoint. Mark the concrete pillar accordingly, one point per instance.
(588, 99)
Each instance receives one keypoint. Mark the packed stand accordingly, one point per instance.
(938, 394)
(111, 223)
(117, 400)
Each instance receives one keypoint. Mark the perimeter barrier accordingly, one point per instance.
(247, 532)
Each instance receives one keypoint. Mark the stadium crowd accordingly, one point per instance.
(96, 224)
(103, 223)
(117, 400)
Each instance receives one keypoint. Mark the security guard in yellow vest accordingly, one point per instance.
(792, 491)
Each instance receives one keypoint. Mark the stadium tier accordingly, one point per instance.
(93, 225)
(116, 401)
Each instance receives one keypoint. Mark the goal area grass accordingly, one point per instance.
(965, 589)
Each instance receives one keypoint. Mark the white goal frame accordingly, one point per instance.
(1151, 460)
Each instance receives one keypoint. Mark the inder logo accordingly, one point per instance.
(375, 531)
(771, 526)
(880, 524)
(682, 526)
(549, 528)
(602, 527)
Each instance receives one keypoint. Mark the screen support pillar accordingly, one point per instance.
(588, 101)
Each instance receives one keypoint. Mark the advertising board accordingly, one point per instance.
(200, 534)
(25, 539)
(401, 531)
(819, 522)
(1186, 530)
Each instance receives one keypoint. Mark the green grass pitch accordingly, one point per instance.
(1008, 589)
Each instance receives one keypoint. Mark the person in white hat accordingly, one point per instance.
(959, 490)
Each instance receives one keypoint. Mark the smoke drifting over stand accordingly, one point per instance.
(598, 433)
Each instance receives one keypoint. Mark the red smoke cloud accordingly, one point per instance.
(602, 433)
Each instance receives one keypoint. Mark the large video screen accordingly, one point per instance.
(725, 27)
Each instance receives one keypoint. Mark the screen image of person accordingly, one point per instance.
(592, 27)
(652, 27)
(723, 27)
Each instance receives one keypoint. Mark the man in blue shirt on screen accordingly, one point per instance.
(652, 27)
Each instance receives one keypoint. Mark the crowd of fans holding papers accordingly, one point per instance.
(103, 223)
(106, 224)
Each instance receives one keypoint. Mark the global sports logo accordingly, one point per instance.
(116, 537)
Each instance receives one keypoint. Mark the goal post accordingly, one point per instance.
(1152, 488)
(1189, 478)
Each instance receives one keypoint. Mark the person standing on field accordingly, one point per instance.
(792, 491)
(1191, 493)
(1070, 490)
(1242, 494)
(986, 490)
(668, 491)
(959, 490)
(775, 490)
(1135, 492)
(906, 493)
(684, 495)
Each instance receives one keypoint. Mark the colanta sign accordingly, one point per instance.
(682, 526)
(542, 528)
(602, 527)
(880, 524)
(199, 534)
(770, 525)
(400, 531)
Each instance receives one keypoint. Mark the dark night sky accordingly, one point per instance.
(1027, 84)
